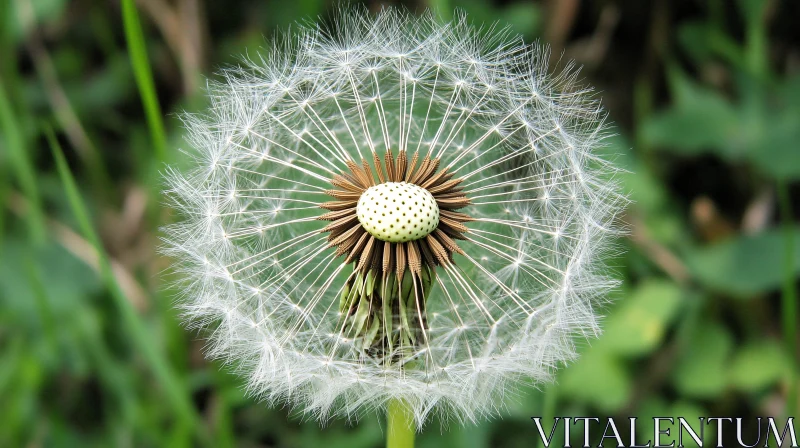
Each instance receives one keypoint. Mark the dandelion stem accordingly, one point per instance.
(400, 425)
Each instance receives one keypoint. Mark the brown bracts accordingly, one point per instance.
(383, 302)
(368, 252)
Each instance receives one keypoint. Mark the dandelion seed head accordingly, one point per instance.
(275, 246)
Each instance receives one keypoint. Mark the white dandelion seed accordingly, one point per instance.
(393, 207)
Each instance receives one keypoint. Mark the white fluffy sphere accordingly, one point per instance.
(264, 281)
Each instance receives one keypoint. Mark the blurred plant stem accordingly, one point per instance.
(23, 166)
(789, 295)
(400, 428)
(60, 103)
(182, 25)
(137, 50)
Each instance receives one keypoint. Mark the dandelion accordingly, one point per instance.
(392, 209)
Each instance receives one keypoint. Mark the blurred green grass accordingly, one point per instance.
(706, 95)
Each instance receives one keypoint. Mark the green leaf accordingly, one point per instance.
(760, 129)
(758, 365)
(689, 411)
(700, 120)
(700, 370)
(67, 278)
(702, 41)
(773, 132)
(598, 378)
(638, 325)
(743, 266)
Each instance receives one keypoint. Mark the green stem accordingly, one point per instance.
(20, 159)
(789, 296)
(137, 47)
(400, 425)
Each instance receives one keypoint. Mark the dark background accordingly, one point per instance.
(705, 95)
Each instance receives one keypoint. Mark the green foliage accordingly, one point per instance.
(701, 369)
(43, 11)
(130, 319)
(744, 266)
(761, 129)
(706, 121)
(638, 326)
(691, 412)
(598, 379)
(759, 365)
(21, 163)
(521, 17)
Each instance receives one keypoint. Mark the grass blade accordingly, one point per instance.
(137, 50)
(15, 145)
(166, 376)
